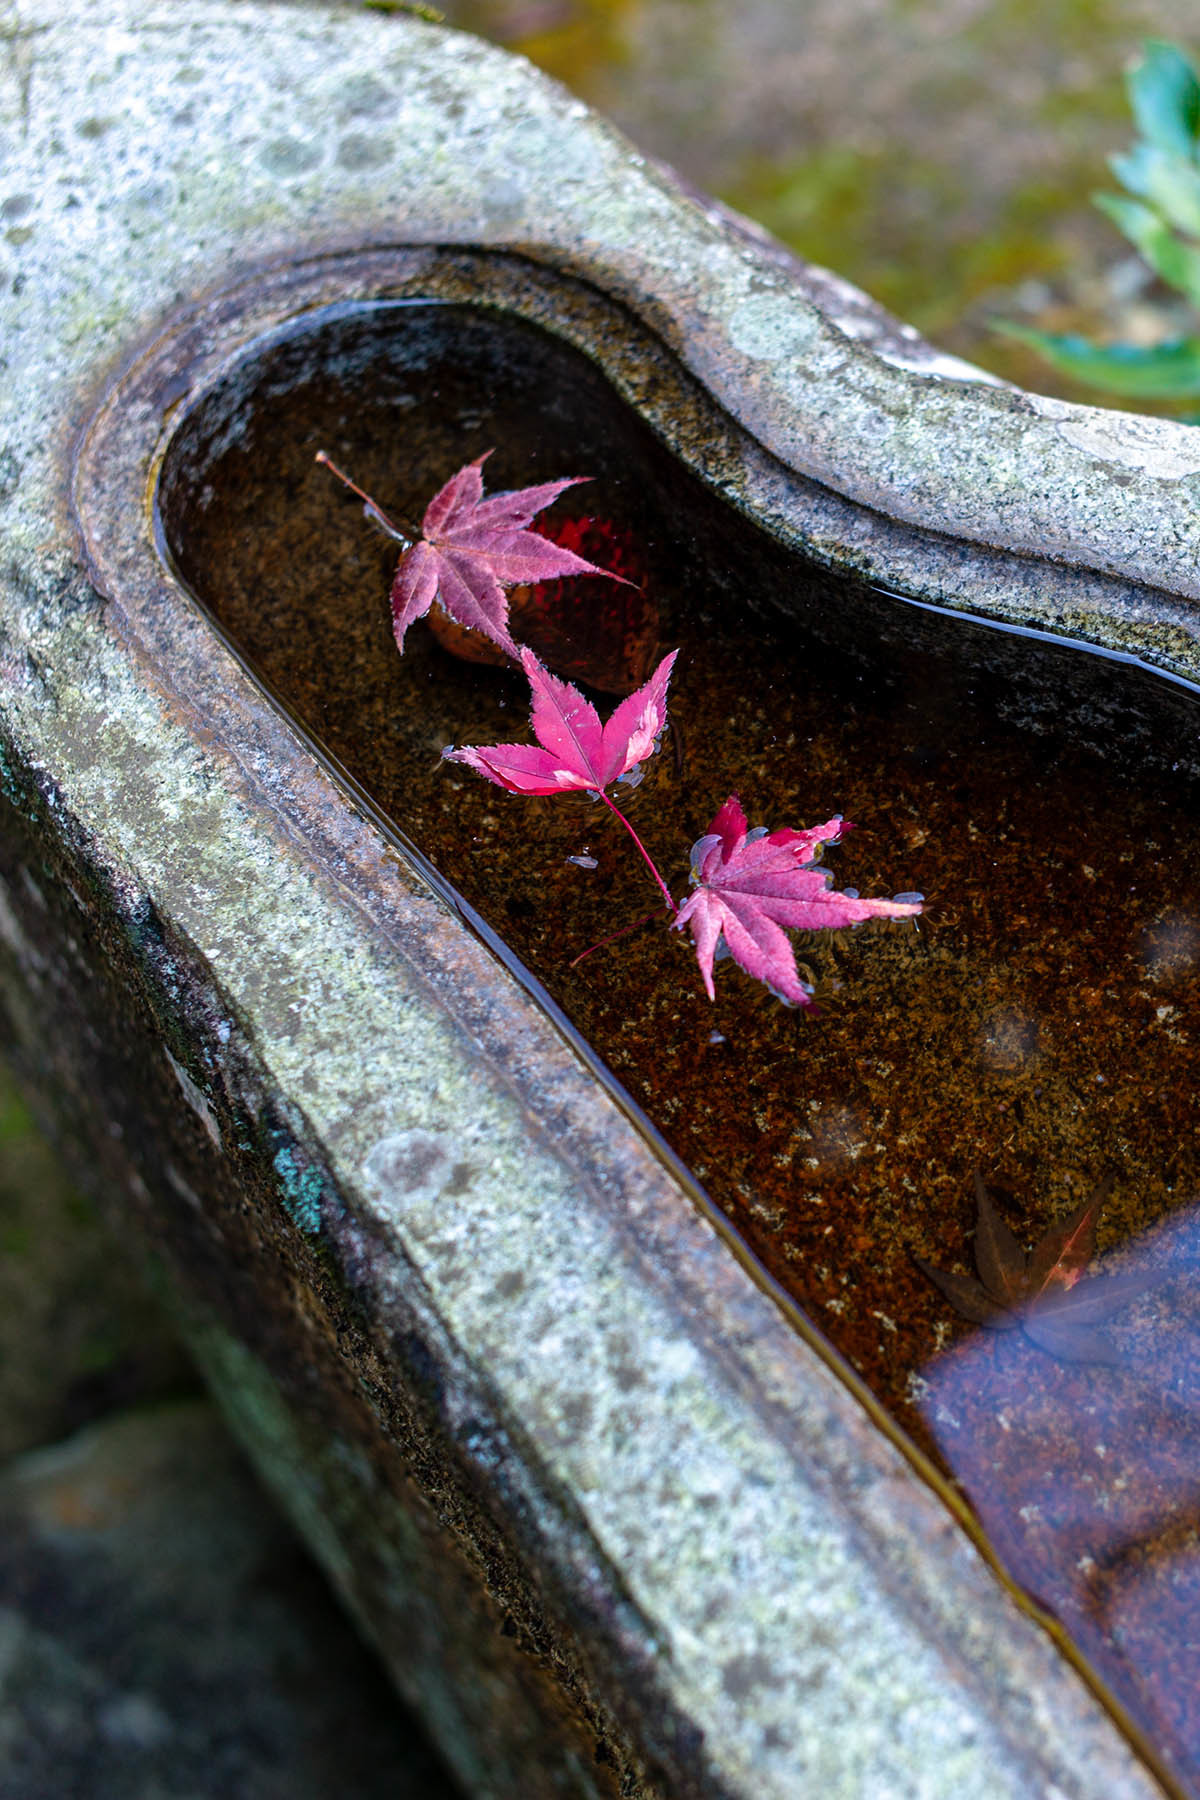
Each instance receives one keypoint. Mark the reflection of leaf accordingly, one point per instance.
(591, 628)
(1045, 1294)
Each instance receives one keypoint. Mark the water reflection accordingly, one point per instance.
(1170, 946)
(1080, 1452)
(1050, 1292)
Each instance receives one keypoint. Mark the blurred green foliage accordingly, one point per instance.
(901, 228)
(1159, 213)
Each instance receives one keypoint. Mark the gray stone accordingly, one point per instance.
(164, 1637)
(276, 1051)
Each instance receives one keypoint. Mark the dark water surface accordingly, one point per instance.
(1039, 1026)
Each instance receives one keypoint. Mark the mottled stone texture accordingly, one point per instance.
(616, 1528)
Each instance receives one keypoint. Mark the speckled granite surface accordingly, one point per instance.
(615, 1528)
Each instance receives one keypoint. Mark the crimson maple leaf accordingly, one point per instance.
(574, 751)
(752, 885)
(1043, 1293)
(472, 548)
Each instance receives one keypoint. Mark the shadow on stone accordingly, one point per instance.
(163, 1634)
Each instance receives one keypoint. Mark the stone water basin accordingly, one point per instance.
(1041, 1024)
(1020, 1029)
(621, 1515)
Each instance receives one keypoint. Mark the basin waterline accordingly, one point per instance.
(265, 521)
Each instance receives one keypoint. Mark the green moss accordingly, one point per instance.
(905, 229)
(1071, 27)
(15, 1121)
(581, 43)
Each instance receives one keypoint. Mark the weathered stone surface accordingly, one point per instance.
(164, 1637)
(616, 1528)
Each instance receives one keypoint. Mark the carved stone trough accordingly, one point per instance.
(612, 1521)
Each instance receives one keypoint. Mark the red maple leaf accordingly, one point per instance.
(753, 886)
(471, 549)
(574, 751)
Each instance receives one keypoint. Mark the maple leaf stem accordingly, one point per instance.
(645, 854)
(612, 938)
(408, 538)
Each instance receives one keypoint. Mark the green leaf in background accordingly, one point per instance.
(1165, 96)
(1154, 372)
(1176, 262)
(1135, 168)
(1165, 182)
(1161, 221)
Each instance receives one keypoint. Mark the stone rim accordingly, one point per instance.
(121, 449)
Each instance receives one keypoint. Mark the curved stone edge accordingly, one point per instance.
(314, 1091)
(452, 139)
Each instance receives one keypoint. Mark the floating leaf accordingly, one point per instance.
(574, 751)
(470, 549)
(753, 887)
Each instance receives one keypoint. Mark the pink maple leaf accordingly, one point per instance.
(752, 887)
(471, 549)
(574, 751)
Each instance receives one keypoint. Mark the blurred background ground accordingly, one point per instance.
(162, 1637)
(939, 153)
